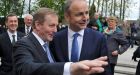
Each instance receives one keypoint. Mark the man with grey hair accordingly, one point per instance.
(28, 22)
(77, 42)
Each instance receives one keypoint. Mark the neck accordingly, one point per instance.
(40, 35)
(11, 31)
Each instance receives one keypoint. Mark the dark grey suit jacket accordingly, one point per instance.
(31, 59)
(116, 41)
(6, 48)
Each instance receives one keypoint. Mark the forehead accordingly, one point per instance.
(111, 20)
(51, 18)
(78, 6)
(12, 18)
(28, 17)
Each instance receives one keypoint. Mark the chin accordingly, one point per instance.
(50, 39)
(83, 27)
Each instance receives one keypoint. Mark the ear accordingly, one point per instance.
(37, 25)
(66, 15)
(6, 23)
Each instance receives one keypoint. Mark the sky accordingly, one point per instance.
(134, 10)
(131, 14)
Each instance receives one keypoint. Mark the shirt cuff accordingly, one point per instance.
(67, 68)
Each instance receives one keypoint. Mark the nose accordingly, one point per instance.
(55, 29)
(85, 17)
(13, 22)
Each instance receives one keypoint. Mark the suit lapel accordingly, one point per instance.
(64, 44)
(38, 47)
(7, 39)
(85, 44)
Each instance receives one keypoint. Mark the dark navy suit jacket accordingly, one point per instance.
(94, 46)
(6, 49)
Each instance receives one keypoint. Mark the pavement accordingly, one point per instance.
(125, 60)
(126, 56)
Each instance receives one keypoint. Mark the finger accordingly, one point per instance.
(97, 63)
(75, 68)
(102, 63)
(102, 58)
(96, 70)
(83, 66)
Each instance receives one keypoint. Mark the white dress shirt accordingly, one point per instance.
(10, 35)
(70, 39)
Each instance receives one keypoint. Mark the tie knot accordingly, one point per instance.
(45, 45)
(28, 27)
(75, 35)
(13, 36)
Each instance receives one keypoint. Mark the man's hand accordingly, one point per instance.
(87, 67)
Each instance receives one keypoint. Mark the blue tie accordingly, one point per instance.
(48, 52)
(75, 48)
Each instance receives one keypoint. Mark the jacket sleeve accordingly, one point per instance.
(123, 42)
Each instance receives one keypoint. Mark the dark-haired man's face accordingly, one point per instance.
(12, 23)
(78, 15)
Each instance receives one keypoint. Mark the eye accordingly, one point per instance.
(79, 14)
(87, 12)
(52, 25)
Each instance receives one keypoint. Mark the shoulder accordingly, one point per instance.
(119, 31)
(92, 32)
(3, 35)
(61, 33)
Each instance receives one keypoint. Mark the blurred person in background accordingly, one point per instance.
(116, 41)
(28, 18)
(7, 41)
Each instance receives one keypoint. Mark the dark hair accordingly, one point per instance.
(9, 15)
(40, 15)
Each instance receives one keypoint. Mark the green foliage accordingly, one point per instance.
(92, 10)
(57, 5)
(10, 6)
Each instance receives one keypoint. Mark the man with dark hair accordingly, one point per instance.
(77, 42)
(7, 40)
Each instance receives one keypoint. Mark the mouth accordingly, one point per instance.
(51, 35)
(83, 24)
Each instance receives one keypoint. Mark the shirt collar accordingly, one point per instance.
(71, 32)
(26, 27)
(10, 34)
(39, 39)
